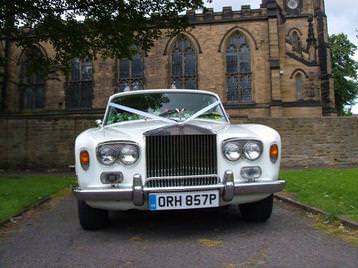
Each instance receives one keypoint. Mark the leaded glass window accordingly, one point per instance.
(131, 73)
(296, 42)
(79, 90)
(32, 82)
(299, 86)
(184, 64)
(238, 69)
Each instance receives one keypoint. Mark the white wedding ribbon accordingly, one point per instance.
(202, 111)
(141, 113)
(161, 118)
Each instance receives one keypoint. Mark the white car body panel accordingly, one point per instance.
(133, 131)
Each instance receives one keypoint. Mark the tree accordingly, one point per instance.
(345, 71)
(88, 28)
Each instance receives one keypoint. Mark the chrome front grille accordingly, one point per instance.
(182, 181)
(181, 160)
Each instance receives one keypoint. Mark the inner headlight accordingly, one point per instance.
(232, 151)
(252, 150)
(107, 154)
(128, 154)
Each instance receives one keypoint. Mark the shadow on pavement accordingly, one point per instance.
(181, 223)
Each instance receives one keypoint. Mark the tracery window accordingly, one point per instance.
(79, 89)
(296, 42)
(32, 81)
(238, 69)
(184, 64)
(299, 86)
(130, 73)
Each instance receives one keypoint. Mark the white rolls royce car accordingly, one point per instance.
(171, 150)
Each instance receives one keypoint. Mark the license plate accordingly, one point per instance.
(183, 200)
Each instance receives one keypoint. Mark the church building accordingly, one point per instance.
(273, 61)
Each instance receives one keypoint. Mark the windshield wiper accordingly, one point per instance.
(172, 111)
(211, 114)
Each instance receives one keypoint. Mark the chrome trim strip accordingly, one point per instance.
(177, 130)
(184, 188)
(117, 194)
(183, 177)
(176, 156)
(229, 186)
(260, 187)
(103, 194)
(137, 188)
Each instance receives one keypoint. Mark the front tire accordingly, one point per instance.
(92, 218)
(259, 211)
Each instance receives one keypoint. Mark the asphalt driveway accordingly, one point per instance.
(215, 238)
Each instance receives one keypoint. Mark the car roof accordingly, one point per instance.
(164, 91)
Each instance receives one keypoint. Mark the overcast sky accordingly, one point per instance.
(342, 17)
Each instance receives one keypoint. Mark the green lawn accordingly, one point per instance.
(19, 192)
(333, 190)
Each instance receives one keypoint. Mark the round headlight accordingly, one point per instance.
(252, 150)
(128, 154)
(107, 155)
(232, 151)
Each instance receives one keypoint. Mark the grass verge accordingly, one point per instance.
(337, 230)
(333, 190)
(20, 192)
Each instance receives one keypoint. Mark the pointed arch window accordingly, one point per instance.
(183, 64)
(130, 73)
(238, 69)
(296, 42)
(32, 82)
(79, 89)
(299, 86)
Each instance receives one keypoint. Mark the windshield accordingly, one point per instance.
(176, 106)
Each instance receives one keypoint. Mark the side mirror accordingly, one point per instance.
(99, 122)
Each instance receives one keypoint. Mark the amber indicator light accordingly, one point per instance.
(274, 152)
(84, 159)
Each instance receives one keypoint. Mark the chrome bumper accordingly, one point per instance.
(138, 193)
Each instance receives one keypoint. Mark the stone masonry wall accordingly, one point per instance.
(39, 142)
(321, 141)
(274, 63)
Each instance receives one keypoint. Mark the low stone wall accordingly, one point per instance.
(46, 141)
(41, 141)
(323, 141)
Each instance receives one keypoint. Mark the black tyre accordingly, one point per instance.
(259, 211)
(92, 218)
